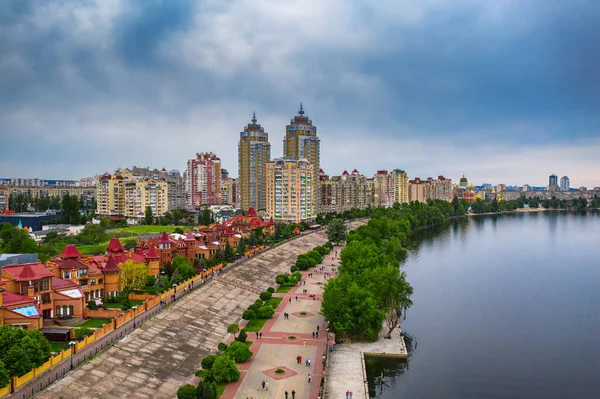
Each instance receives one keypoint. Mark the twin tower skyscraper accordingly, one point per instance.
(254, 152)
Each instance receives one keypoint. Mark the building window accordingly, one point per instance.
(58, 311)
(67, 275)
(45, 298)
(99, 281)
(71, 310)
(44, 284)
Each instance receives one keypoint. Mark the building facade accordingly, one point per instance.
(553, 182)
(254, 151)
(203, 180)
(232, 188)
(384, 188)
(430, 189)
(565, 183)
(289, 190)
(400, 186)
(301, 141)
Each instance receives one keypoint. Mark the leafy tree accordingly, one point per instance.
(70, 209)
(242, 337)
(208, 361)
(241, 247)
(4, 376)
(16, 361)
(336, 231)
(265, 296)
(205, 217)
(92, 304)
(148, 216)
(224, 369)
(33, 351)
(222, 346)
(182, 265)
(186, 391)
(133, 275)
(249, 314)
(206, 390)
(233, 329)
(252, 241)
(265, 312)
(14, 240)
(18, 202)
(238, 351)
(178, 230)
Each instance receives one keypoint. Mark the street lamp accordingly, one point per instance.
(174, 292)
(134, 308)
(72, 345)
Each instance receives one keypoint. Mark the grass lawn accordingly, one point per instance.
(92, 249)
(150, 229)
(221, 388)
(255, 325)
(274, 302)
(284, 289)
(58, 346)
(94, 323)
(120, 306)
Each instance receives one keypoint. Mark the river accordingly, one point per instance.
(504, 307)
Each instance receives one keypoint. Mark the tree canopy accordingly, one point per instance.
(336, 231)
(133, 275)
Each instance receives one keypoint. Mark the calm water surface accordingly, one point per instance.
(504, 307)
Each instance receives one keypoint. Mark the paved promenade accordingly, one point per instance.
(272, 351)
(162, 354)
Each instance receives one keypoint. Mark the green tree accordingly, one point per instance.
(233, 329)
(336, 231)
(148, 216)
(4, 376)
(14, 240)
(238, 351)
(133, 275)
(186, 391)
(70, 209)
(242, 337)
(206, 390)
(224, 369)
(183, 267)
(228, 252)
(241, 247)
(16, 361)
(208, 361)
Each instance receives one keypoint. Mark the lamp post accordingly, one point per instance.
(174, 292)
(134, 308)
(72, 345)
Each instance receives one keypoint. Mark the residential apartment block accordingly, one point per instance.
(400, 186)
(301, 141)
(430, 189)
(289, 190)
(203, 180)
(254, 151)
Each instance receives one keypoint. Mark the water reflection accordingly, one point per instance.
(382, 375)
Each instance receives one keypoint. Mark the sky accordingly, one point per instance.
(502, 91)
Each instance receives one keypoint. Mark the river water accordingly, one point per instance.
(504, 307)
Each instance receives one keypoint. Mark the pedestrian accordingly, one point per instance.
(313, 334)
(300, 358)
(293, 394)
(304, 343)
(318, 328)
(347, 393)
(266, 385)
(317, 334)
(257, 335)
(286, 394)
(308, 362)
(263, 384)
(260, 335)
(309, 378)
(290, 301)
(350, 397)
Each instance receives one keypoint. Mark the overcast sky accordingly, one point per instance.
(504, 91)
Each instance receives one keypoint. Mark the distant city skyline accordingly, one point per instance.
(505, 92)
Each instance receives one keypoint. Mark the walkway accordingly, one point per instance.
(163, 353)
(272, 351)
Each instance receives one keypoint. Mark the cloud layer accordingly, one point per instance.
(504, 91)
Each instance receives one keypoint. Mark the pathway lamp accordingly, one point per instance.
(174, 292)
(72, 345)
(134, 308)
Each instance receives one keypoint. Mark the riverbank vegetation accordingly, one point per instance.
(370, 290)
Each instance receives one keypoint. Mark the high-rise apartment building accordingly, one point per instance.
(301, 141)
(552, 182)
(122, 194)
(289, 190)
(203, 180)
(231, 192)
(254, 152)
(430, 189)
(346, 192)
(400, 186)
(176, 199)
(565, 183)
(384, 188)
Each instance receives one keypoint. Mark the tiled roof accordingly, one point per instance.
(70, 264)
(152, 254)
(115, 246)
(251, 212)
(70, 252)
(59, 283)
(27, 272)
(11, 299)
(190, 237)
(111, 265)
(164, 238)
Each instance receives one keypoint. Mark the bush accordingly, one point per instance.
(242, 337)
(208, 361)
(224, 369)
(249, 314)
(150, 281)
(239, 352)
(271, 290)
(265, 296)
(186, 391)
(92, 305)
(206, 390)
(82, 332)
(265, 312)
(282, 279)
(280, 371)
(222, 346)
(293, 269)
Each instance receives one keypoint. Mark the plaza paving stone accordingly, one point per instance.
(163, 353)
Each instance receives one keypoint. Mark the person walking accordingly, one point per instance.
(347, 393)
(300, 358)
(293, 394)
(309, 378)
(263, 384)
(290, 301)
(350, 396)
(257, 335)
(318, 328)
(266, 385)
(304, 343)
(317, 334)
(306, 362)
(286, 394)
(313, 334)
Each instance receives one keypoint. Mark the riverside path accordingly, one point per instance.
(163, 353)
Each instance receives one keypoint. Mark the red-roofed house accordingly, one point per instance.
(20, 311)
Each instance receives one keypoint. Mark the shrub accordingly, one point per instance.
(254, 306)
(249, 314)
(293, 269)
(265, 296)
(82, 332)
(233, 328)
(92, 305)
(282, 279)
(265, 312)
(224, 369)
(222, 346)
(150, 281)
(242, 337)
(208, 361)
(271, 290)
(206, 390)
(280, 371)
(239, 352)
(186, 391)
